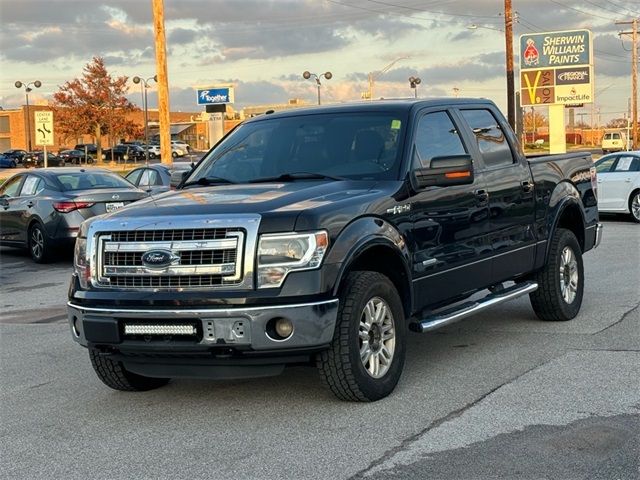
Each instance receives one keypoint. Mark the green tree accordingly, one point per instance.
(93, 104)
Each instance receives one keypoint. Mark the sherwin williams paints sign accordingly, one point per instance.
(556, 68)
(215, 95)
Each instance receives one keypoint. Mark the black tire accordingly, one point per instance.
(114, 375)
(548, 301)
(340, 367)
(634, 205)
(174, 154)
(152, 155)
(39, 244)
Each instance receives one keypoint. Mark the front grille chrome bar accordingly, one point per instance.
(221, 269)
(224, 244)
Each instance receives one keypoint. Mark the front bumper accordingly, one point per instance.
(598, 239)
(230, 330)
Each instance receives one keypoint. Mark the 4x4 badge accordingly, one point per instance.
(399, 209)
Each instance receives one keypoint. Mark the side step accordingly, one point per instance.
(459, 312)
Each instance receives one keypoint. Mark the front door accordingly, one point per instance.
(619, 182)
(450, 243)
(9, 212)
(511, 195)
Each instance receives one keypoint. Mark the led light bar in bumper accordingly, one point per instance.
(159, 330)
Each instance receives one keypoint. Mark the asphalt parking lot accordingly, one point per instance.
(499, 395)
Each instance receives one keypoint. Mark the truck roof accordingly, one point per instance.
(376, 105)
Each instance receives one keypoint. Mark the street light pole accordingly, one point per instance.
(307, 75)
(144, 85)
(27, 89)
(413, 83)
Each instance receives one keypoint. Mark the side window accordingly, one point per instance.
(604, 165)
(492, 141)
(10, 189)
(134, 177)
(144, 179)
(436, 137)
(154, 177)
(627, 163)
(32, 186)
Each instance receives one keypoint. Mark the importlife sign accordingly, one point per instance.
(556, 68)
(44, 128)
(215, 95)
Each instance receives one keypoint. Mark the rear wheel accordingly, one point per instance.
(634, 206)
(114, 375)
(366, 356)
(561, 281)
(39, 247)
(152, 155)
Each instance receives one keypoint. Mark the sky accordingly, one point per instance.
(264, 46)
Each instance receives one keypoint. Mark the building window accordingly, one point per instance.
(4, 124)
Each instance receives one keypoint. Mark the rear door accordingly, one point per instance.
(509, 184)
(450, 224)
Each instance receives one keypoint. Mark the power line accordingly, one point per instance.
(581, 11)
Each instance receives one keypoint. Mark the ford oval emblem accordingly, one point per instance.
(159, 258)
(115, 196)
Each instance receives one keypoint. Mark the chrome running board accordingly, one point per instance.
(464, 310)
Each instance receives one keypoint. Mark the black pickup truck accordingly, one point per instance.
(325, 235)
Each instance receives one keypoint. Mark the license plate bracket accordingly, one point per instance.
(113, 206)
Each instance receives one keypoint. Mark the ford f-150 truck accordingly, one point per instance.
(325, 235)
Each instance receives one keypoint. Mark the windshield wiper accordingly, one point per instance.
(204, 181)
(290, 177)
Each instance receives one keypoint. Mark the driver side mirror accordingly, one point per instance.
(444, 172)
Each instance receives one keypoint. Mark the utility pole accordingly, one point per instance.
(508, 38)
(163, 81)
(634, 76)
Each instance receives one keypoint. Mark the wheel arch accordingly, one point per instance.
(569, 215)
(372, 244)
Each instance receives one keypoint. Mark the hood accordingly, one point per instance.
(284, 201)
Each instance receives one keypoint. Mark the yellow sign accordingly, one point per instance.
(44, 128)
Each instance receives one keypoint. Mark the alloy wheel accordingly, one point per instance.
(37, 242)
(635, 206)
(569, 277)
(377, 337)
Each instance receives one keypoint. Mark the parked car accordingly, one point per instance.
(176, 151)
(7, 162)
(36, 159)
(43, 209)
(619, 183)
(75, 157)
(90, 148)
(158, 178)
(182, 145)
(17, 155)
(324, 236)
(614, 142)
(126, 153)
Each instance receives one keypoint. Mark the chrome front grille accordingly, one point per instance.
(200, 258)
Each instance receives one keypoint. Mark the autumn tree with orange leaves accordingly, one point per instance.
(95, 104)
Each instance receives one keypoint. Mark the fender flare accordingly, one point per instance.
(361, 235)
(564, 196)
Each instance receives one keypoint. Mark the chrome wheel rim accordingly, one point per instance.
(377, 337)
(635, 206)
(569, 277)
(37, 242)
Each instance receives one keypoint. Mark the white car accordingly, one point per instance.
(181, 145)
(154, 151)
(619, 183)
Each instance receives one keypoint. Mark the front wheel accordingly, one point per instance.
(366, 356)
(114, 375)
(174, 154)
(634, 206)
(561, 280)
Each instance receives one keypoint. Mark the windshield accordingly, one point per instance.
(360, 146)
(93, 180)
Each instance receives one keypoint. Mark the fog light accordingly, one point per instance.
(284, 327)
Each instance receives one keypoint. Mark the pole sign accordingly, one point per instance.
(556, 68)
(44, 128)
(215, 95)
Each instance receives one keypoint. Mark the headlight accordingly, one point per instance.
(81, 263)
(279, 254)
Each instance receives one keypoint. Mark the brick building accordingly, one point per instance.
(15, 133)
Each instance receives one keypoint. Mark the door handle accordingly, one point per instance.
(30, 204)
(527, 186)
(628, 180)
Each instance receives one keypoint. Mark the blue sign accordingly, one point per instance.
(555, 49)
(215, 96)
